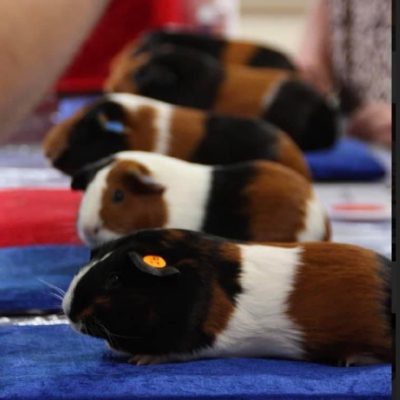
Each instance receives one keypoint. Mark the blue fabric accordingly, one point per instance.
(348, 160)
(23, 271)
(70, 105)
(53, 362)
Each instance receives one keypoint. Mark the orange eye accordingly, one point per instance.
(155, 261)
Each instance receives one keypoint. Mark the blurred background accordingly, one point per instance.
(281, 24)
(277, 23)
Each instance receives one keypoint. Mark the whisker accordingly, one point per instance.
(101, 326)
(108, 332)
(57, 296)
(50, 285)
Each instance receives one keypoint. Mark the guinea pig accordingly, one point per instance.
(228, 51)
(167, 295)
(258, 200)
(118, 122)
(191, 78)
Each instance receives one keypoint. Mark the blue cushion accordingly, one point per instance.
(24, 272)
(43, 362)
(349, 160)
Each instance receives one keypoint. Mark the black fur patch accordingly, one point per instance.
(82, 178)
(91, 140)
(230, 140)
(304, 114)
(213, 46)
(180, 76)
(270, 58)
(205, 43)
(227, 213)
(146, 314)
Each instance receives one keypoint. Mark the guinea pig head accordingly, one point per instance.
(180, 76)
(122, 296)
(119, 199)
(139, 294)
(91, 134)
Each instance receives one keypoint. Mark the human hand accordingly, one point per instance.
(373, 122)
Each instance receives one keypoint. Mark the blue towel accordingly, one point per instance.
(25, 271)
(53, 362)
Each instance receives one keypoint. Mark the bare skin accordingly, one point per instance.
(371, 121)
(38, 39)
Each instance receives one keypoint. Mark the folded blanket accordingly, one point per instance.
(35, 216)
(53, 362)
(29, 276)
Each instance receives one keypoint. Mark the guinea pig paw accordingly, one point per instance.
(142, 359)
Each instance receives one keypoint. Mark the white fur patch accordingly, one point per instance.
(89, 211)
(314, 227)
(187, 184)
(260, 325)
(163, 125)
(271, 94)
(162, 121)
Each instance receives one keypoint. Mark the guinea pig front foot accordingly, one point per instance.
(357, 360)
(143, 359)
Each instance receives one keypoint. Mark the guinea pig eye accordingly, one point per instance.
(113, 282)
(118, 196)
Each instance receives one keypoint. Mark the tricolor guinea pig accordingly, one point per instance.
(228, 51)
(191, 78)
(122, 121)
(167, 295)
(258, 200)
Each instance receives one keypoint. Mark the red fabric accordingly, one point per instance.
(121, 23)
(38, 216)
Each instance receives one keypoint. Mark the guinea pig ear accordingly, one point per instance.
(82, 178)
(141, 265)
(141, 183)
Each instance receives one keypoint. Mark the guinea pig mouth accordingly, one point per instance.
(93, 327)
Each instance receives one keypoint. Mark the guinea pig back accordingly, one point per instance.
(167, 295)
(120, 122)
(257, 201)
(228, 51)
(191, 78)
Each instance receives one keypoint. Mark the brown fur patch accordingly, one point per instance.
(142, 133)
(187, 130)
(174, 235)
(283, 192)
(120, 77)
(88, 311)
(56, 140)
(231, 252)
(328, 230)
(291, 156)
(136, 211)
(124, 55)
(220, 309)
(243, 90)
(338, 301)
(238, 52)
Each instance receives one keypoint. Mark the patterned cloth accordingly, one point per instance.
(361, 50)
